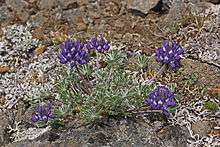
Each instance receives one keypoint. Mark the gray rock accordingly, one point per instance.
(69, 4)
(142, 6)
(175, 136)
(18, 6)
(3, 125)
(203, 46)
(202, 128)
(30, 134)
(43, 144)
(37, 19)
(212, 1)
(47, 4)
(206, 46)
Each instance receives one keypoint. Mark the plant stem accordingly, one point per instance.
(161, 71)
(85, 86)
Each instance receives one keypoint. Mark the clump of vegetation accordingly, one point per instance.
(115, 90)
(212, 106)
(99, 81)
(104, 86)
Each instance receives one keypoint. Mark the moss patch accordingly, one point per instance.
(212, 106)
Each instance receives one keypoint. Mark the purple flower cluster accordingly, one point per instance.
(75, 52)
(161, 98)
(98, 43)
(72, 52)
(42, 113)
(170, 55)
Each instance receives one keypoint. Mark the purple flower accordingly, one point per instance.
(170, 55)
(161, 98)
(98, 43)
(42, 113)
(72, 52)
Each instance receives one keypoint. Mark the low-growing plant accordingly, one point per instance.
(97, 91)
(212, 106)
(115, 90)
(98, 81)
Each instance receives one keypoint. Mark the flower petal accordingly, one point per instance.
(34, 118)
(38, 109)
(45, 118)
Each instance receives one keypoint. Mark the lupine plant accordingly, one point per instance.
(99, 82)
(169, 54)
(114, 90)
(103, 86)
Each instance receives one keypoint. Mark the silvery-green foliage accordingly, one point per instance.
(107, 91)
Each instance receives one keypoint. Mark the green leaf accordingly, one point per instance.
(57, 123)
(172, 110)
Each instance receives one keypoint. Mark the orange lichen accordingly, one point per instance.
(216, 90)
(58, 37)
(214, 133)
(5, 69)
(40, 49)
